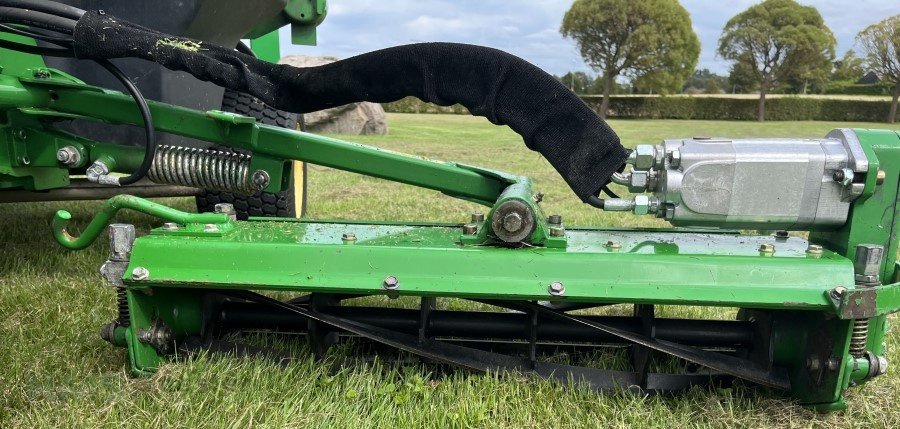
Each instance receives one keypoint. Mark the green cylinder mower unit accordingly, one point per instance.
(812, 311)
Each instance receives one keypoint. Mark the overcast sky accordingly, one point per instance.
(530, 28)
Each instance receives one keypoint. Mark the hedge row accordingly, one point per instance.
(852, 88)
(735, 109)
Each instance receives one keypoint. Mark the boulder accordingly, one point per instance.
(351, 119)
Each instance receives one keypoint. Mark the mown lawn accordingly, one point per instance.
(55, 371)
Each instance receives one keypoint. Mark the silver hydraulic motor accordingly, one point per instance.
(790, 184)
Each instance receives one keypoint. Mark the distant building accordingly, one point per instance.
(868, 79)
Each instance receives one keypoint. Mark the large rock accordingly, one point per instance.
(352, 119)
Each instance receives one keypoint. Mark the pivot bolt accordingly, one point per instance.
(477, 217)
(512, 222)
(554, 219)
(469, 229)
(557, 231)
(348, 237)
(556, 289)
(815, 249)
(68, 156)
(391, 283)
(210, 227)
(140, 274)
(767, 248)
(838, 292)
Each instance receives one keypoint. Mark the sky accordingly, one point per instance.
(530, 28)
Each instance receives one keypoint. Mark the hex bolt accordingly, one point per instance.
(68, 155)
(170, 226)
(210, 227)
(470, 229)
(227, 209)
(477, 217)
(391, 283)
(879, 177)
(512, 222)
(837, 292)
(612, 244)
(767, 248)
(121, 240)
(815, 249)
(556, 289)
(554, 219)
(557, 231)
(140, 274)
(781, 234)
(260, 178)
(348, 237)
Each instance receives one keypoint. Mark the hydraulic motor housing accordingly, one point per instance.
(790, 184)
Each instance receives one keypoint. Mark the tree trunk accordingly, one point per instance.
(761, 114)
(607, 88)
(892, 117)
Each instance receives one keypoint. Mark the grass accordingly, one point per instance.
(56, 372)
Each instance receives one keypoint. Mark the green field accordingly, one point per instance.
(55, 371)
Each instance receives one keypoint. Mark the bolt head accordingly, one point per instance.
(833, 364)
(781, 234)
(767, 248)
(815, 249)
(260, 178)
(868, 259)
(838, 292)
(557, 231)
(210, 227)
(121, 240)
(140, 274)
(879, 177)
(554, 219)
(556, 289)
(882, 365)
(613, 244)
(170, 226)
(391, 283)
(512, 222)
(470, 229)
(477, 217)
(224, 208)
(813, 363)
(348, 236)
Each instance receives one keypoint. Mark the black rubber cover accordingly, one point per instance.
(490, 83)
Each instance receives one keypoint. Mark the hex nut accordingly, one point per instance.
(68, 155)
(641, 204)
(227, 209)
(644, 157)
(260, 178)
(556, 289)
(640, 181)
(554, 219)
(477, 217)
(815, 249)
(879, 177)
(767, 248)
(391, 283)
(470, 229)
(140, 274)
(838, 292)
(170, 226)
(513, 222)
(557, 231)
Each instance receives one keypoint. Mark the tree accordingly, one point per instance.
(649, 39)
(778, 40)
(881, 44)
(704, 81)
(578, 82)
(849, 68)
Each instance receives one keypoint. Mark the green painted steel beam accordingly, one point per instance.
(649, 267)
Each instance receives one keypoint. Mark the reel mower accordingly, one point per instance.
(812, 311)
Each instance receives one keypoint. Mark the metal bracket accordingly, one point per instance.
(864, 303)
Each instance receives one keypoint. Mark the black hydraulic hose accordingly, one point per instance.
(62, 41)
(36, 50)
(149, 131)
(37, 19)
(490, 83)
(46, 6)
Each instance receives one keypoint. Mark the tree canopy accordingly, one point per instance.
(649, 40)
(778, 41)
(881, 44)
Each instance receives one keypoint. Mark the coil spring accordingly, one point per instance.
(203, 168)
(859, 337)
(124, 313)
